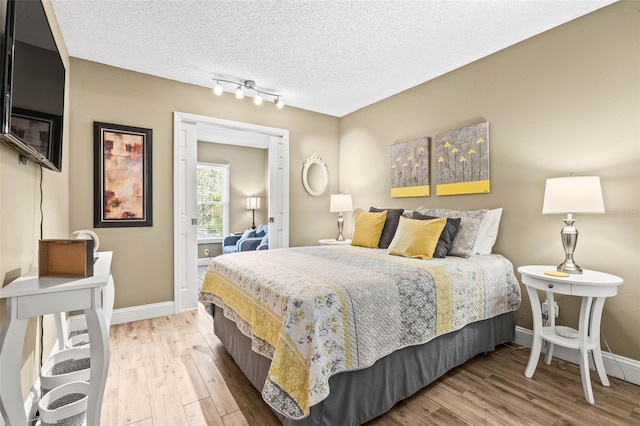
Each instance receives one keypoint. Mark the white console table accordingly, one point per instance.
(33, 296)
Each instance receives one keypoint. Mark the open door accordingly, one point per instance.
(188, 130)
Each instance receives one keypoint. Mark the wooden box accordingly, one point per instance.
(65, 258)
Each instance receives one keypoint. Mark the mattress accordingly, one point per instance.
(315, 312)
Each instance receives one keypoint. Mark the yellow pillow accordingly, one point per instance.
(368, 229)
(417, 238)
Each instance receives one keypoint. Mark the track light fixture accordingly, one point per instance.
(248, 85)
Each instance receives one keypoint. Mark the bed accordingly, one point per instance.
(336, 335)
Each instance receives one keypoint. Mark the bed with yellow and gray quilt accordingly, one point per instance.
(338, 334)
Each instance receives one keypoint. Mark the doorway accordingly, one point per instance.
(188, 130)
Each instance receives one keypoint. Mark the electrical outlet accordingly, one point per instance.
(206, 252)
(545, 309)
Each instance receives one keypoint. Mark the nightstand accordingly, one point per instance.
(333, 242)
(594, 287)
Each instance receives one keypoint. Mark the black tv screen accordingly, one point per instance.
(33, 80)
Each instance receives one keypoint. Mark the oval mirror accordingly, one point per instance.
(315, 176)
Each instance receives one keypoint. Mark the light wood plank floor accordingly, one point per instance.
(173, 371)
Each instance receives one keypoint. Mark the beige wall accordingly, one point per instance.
(143, 257)
(248, 169)
(564, 101)
(20, 223)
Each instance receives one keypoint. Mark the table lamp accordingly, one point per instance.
(573, 194)
(253, 204)
(340, 203)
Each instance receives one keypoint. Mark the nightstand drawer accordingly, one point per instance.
(546, 285)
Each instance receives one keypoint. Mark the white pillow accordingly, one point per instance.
(488, 232)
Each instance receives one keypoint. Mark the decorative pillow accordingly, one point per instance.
(260, 233)
(488, 232)
(417, 238)
(368, 229)
(249, 233)
(448, 233)
(390, 225)
(462, 245)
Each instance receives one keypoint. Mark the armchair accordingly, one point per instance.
(248, 241)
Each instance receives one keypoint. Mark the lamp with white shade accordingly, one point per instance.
(340, 203)
(573, 194)
(253, 204)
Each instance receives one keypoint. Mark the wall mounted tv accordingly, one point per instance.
(32, 82)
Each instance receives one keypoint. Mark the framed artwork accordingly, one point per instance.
(410, 169)
(122, 176)
(462, 160)
(39, 130)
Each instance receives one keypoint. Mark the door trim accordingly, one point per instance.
(234, 133)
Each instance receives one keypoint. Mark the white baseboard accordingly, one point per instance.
(122, 315)
(204, 261)
(621, 367)
(137, 313)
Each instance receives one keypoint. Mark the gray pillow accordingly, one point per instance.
(462, 245)
(446, 237)
(390, 225)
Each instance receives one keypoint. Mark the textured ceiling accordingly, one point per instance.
(332, 57)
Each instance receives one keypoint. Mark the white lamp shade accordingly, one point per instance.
(574, 194)
(341, 203)
(253, 203)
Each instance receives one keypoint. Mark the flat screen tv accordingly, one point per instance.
(32, 83)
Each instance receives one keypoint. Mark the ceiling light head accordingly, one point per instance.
(278, 102)
(218, 89)
(258, 99)
(239, 93)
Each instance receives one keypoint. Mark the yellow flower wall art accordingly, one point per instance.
(410, 168)
(463, 160)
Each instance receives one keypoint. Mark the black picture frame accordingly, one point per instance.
(122, 176)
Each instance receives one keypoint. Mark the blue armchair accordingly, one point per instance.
(250, 240)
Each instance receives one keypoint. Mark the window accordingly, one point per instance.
(213, 201)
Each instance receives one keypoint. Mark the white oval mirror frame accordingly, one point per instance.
(315, 176)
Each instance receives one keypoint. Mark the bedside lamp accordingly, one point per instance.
(340, 203)
(573, 194)
(253, 204)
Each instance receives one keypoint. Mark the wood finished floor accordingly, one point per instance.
(173, 371)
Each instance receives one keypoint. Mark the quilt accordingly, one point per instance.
(319, 311)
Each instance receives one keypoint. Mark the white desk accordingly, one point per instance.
(594, 287)
(32, 296)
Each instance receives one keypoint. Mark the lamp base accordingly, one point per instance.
(569, 235)
(340, 226)
(569, 267)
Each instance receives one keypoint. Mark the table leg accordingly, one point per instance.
(537, 332)
(12, 338)
(594, 333)
(583, 338)
(551, 314)
(99, 350)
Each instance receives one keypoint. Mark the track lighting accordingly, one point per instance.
(248, 85)
(218, 89)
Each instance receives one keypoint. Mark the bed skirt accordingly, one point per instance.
(359, 396)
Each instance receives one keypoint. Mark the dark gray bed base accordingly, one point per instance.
(359, 396)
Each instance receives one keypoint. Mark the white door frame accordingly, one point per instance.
(188, 129)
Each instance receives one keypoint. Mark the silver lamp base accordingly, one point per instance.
(340, 226)
(569, 235)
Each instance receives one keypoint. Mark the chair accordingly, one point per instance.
(248, 241)
(264, 243)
